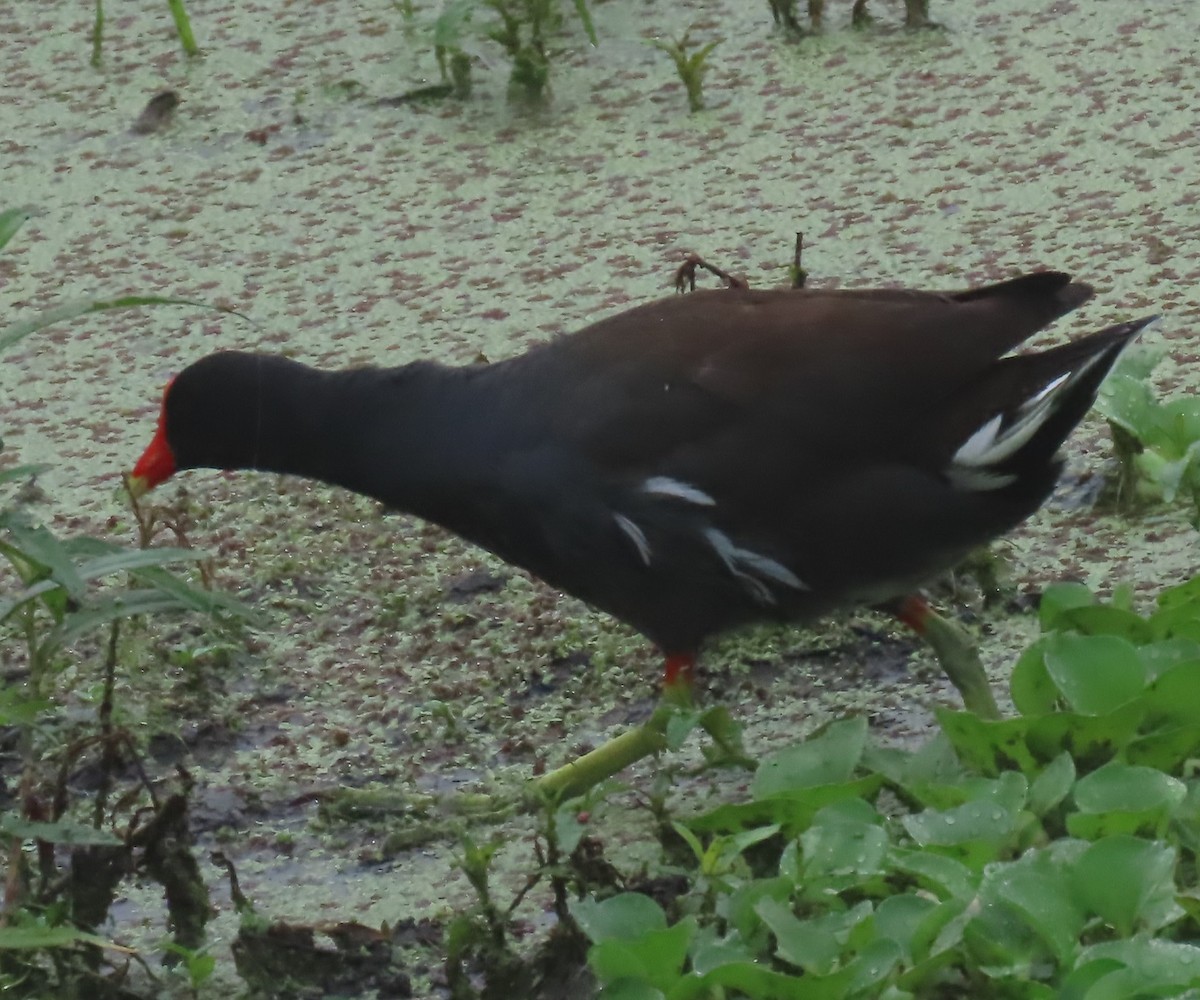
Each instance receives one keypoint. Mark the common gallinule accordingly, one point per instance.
(696, 463)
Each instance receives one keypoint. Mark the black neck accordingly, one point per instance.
(380, 432)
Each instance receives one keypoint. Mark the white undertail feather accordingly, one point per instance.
(996, 441)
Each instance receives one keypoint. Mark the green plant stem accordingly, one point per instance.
(614, 756)
(98, 34)
(184, 27)
(959, 658)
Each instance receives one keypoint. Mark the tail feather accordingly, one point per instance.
(1030, 403)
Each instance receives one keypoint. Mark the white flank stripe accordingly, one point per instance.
(635, 535)
(749, 566)
(665, 486)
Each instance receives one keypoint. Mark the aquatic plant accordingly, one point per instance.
(183, 28)
(691, 66)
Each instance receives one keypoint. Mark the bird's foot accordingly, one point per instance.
(685, 276)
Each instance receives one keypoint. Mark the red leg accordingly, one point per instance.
(680, 669)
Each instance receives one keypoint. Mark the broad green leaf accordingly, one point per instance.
(17, 707)
(898, 918)
(1033, 692)
(814, 944)
(740, 905)
(1091, 739)
(804, 944)
(1128, 882)
(1152, 968)
(1104, 619)
(21, 471)
(1085, 975)
(1060, 597)
(1163, 655)
(1050, 787)
(1036, 887)
(1097, 673)
(630, 989)
(760, 983)
(620, 918)
(1175, 693)
(793, 811)
(656, 957)
(990, 817)
(825, 759)
(1168, 747)
(1121, 786)
(945, 877)
(990, 746)
(1121, 798)
(842, 846)
(710, 952)
(872, 966)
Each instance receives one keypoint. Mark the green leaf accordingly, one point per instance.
(1120, 798)
(630, 989)
(990, 746)
(655, 957)
(1128, 882)
(804, 944)
(1036, 888)
(1169, 747)
(41, 547)
(1152, 968)
(1033, 692)
(21, 472)
(793, 811)
(1104, 619)
(842, 846)
(585, 15)
(989, 818)
(1096, 673)
(898, 918)
(741, 904)
(448, 28)
(1175, 694)
(825, 759)
(1061, 597)
(624, 917)
(82, 307)
(36, 938)
(61, 832)
(1091, 739)
(945, 877)
(12, 219)
(1051, 786)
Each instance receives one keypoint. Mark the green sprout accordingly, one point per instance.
(691, 66)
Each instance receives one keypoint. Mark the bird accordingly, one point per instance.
(697, 463)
